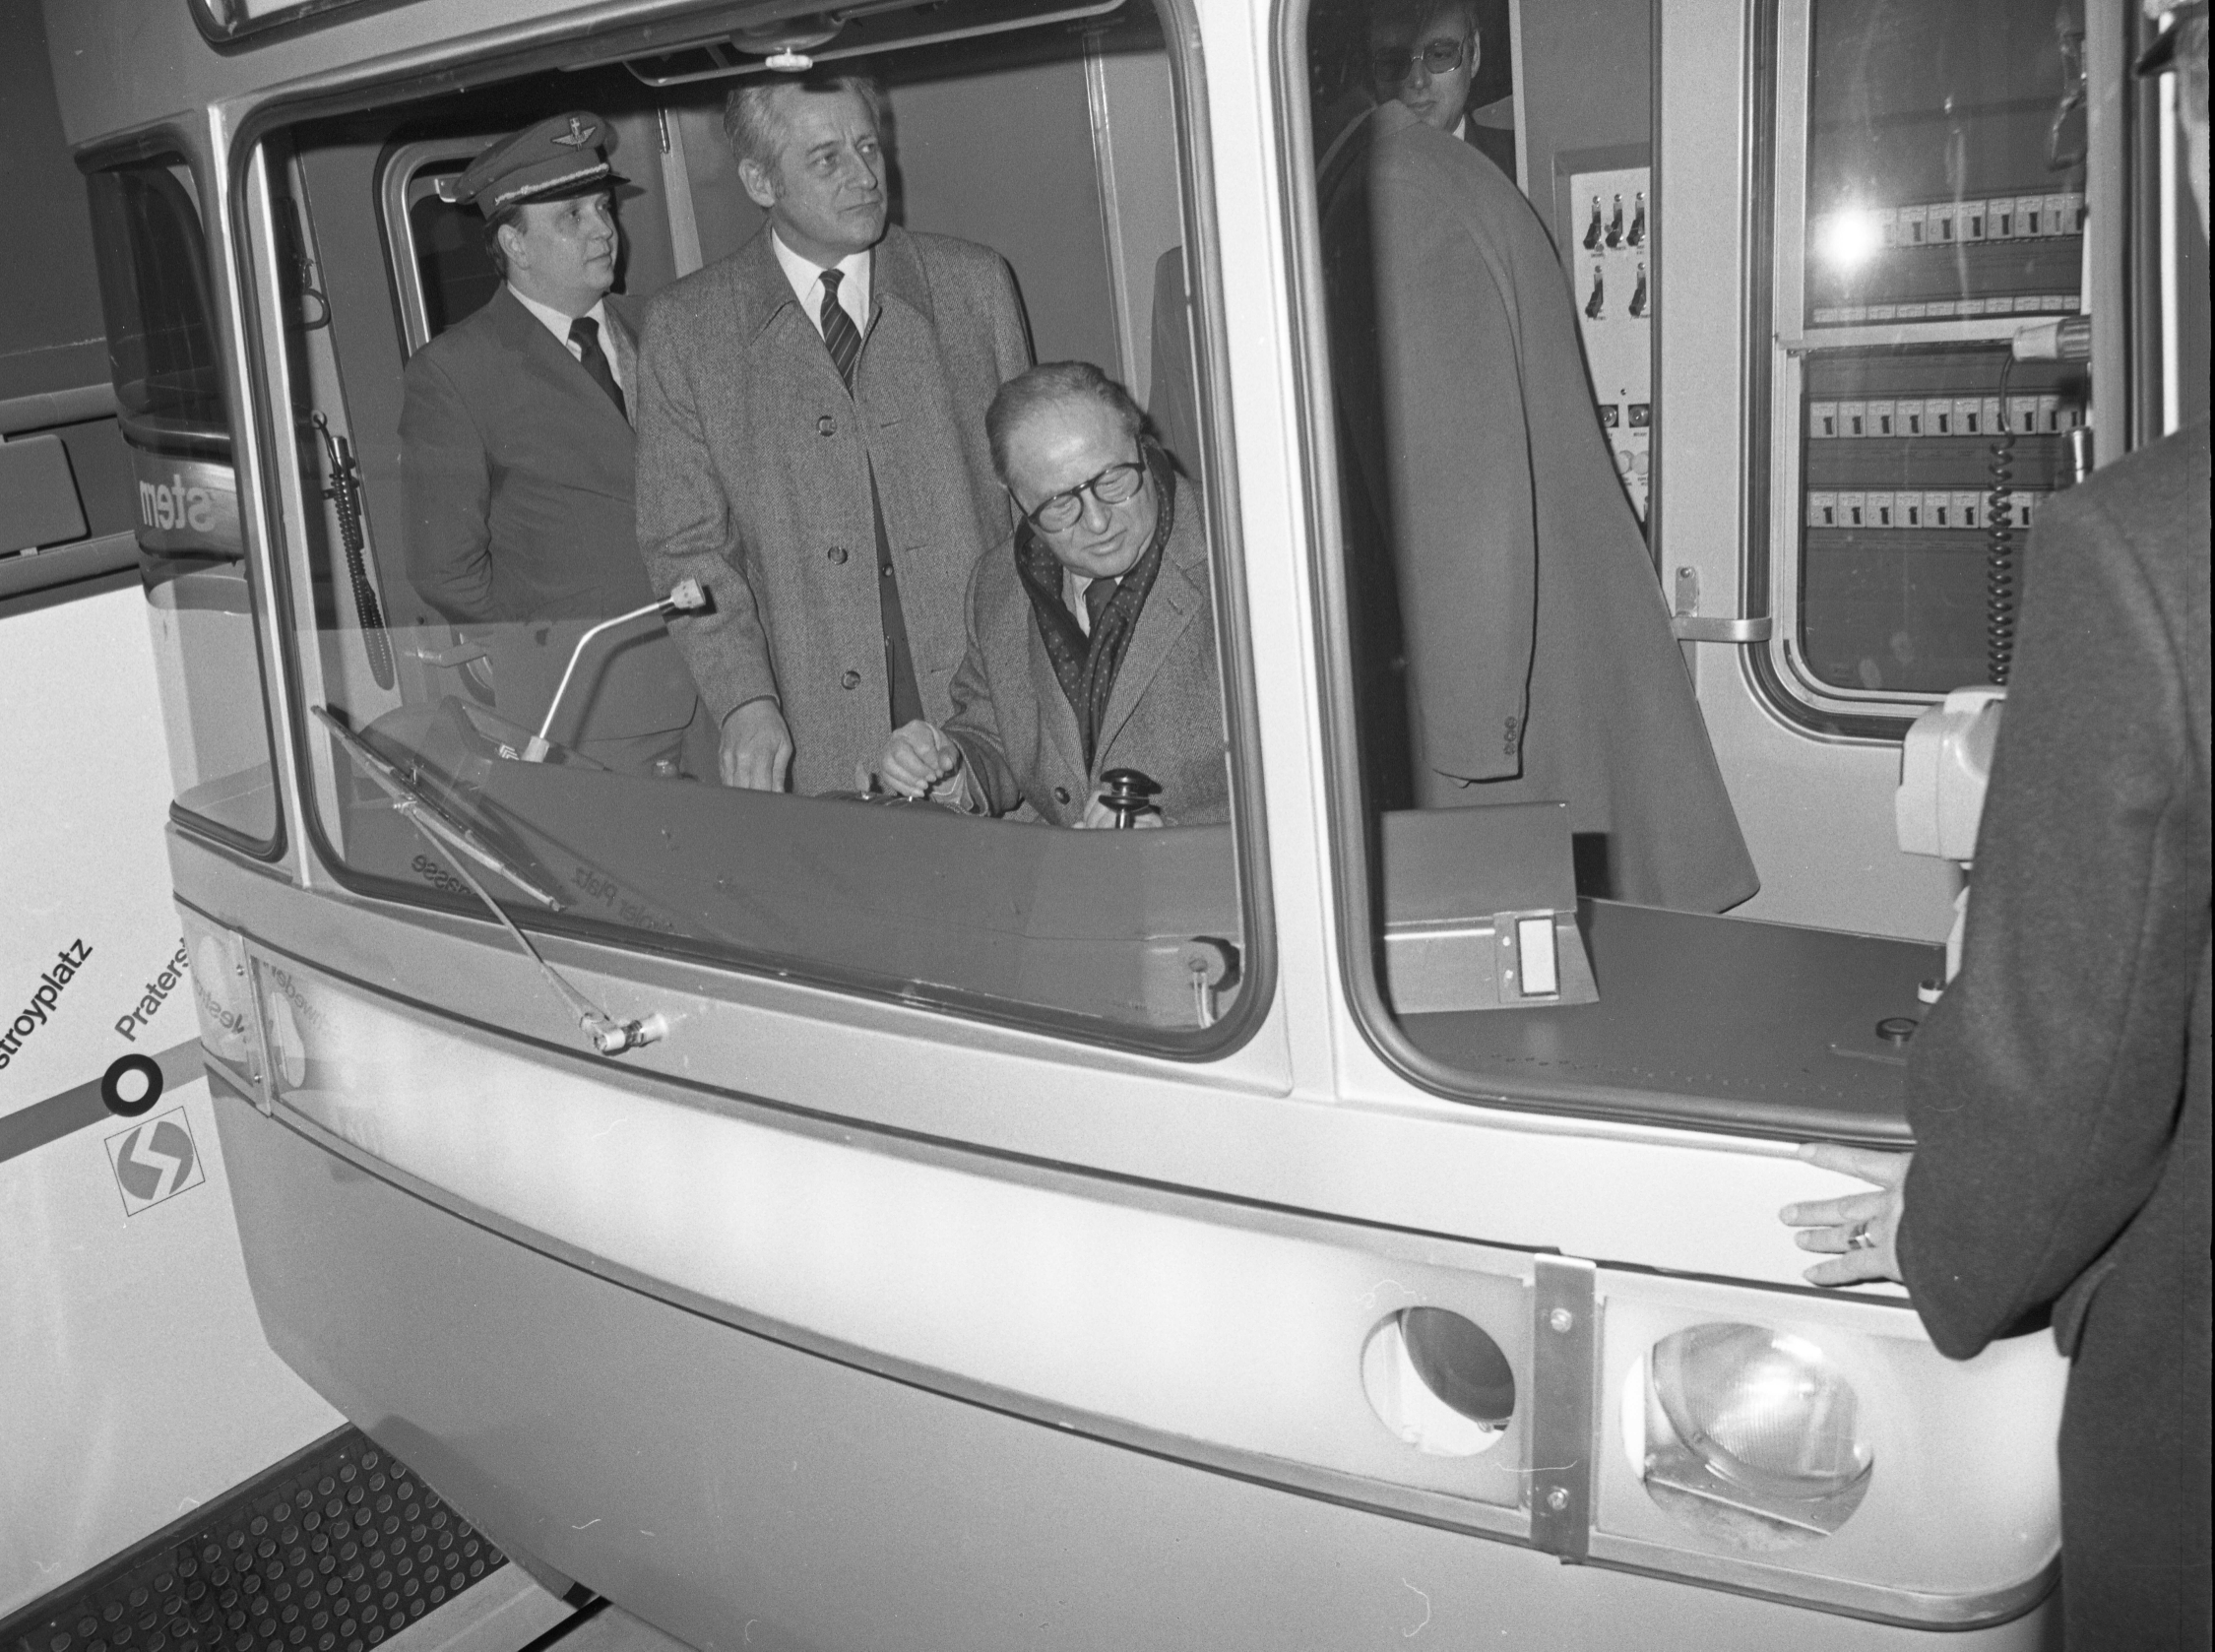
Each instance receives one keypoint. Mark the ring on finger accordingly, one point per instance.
(1858, 1237)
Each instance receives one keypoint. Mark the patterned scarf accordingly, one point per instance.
(1085, 666)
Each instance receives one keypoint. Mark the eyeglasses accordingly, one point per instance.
(1112, 486)
(1439, 56)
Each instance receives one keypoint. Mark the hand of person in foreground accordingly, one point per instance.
(1858, 1230)
(757, 747)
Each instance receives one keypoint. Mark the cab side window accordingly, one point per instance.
(175, 420)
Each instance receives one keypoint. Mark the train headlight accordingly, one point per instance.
(1752, 1434)
(1438, 1381)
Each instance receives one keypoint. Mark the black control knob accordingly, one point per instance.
(1127, 793)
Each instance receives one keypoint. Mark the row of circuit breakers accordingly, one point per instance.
(1940, 415)
(1938, 223)
(1917, 508)
(1943, 415)
(1887, 234)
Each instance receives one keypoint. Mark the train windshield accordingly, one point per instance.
(652, 584)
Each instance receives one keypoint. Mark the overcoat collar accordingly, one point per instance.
(895, 274)
(1179, 592)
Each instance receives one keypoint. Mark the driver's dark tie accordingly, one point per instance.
(839, 336)
(584, 333)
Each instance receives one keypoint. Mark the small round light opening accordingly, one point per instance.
(1438, 1381)
(1748, 1434)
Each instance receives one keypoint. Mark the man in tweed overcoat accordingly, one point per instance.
(812, 447)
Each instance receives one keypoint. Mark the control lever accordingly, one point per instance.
(1615, 225)
(1594, 231)
(1598, 299)
(1127, 795)
(1638, 298)
(686, 598)
(1637, 235)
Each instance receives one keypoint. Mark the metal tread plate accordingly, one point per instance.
(335, 1550)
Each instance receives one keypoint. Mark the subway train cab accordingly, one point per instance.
(825, 1220)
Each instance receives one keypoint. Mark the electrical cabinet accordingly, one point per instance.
(1930, 168)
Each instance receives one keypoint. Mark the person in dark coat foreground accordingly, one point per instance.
(1491, 548)
(811, 444)
(2059, 1092)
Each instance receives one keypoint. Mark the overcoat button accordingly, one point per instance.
(837, 553)
(1062, 794)
(826, 426)
(853, 680)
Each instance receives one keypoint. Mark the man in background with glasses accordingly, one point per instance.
(1091, 635)
(1430, 61)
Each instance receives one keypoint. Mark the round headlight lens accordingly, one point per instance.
(1759, 1429)
(1438, 1381)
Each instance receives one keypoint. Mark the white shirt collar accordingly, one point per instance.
(558, 324)
(806, 280)
(1461, 128)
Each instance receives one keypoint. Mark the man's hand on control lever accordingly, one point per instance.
(757, 747)
(918, 761)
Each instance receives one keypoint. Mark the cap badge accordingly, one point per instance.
(577, 135)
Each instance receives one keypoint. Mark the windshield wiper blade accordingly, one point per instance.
(609, 1036)
(427, 818)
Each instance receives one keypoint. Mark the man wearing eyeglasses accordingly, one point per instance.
(1090, 634)
(1429, 61)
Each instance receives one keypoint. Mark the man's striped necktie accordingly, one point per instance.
(839, 336)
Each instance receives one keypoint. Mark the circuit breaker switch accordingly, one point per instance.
(1615, 225)
(1637, 235)
(1638, 305)
(1594, 231)
(1598, 303)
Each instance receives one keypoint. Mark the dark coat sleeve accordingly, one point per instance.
(446, 475)
(2046, 1088)
(975, 725)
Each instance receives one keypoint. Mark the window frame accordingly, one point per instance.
(1353, 831)
(396, 189)
(468, 67)
(171, 144)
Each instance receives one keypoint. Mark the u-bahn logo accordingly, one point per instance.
(154, 1161)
